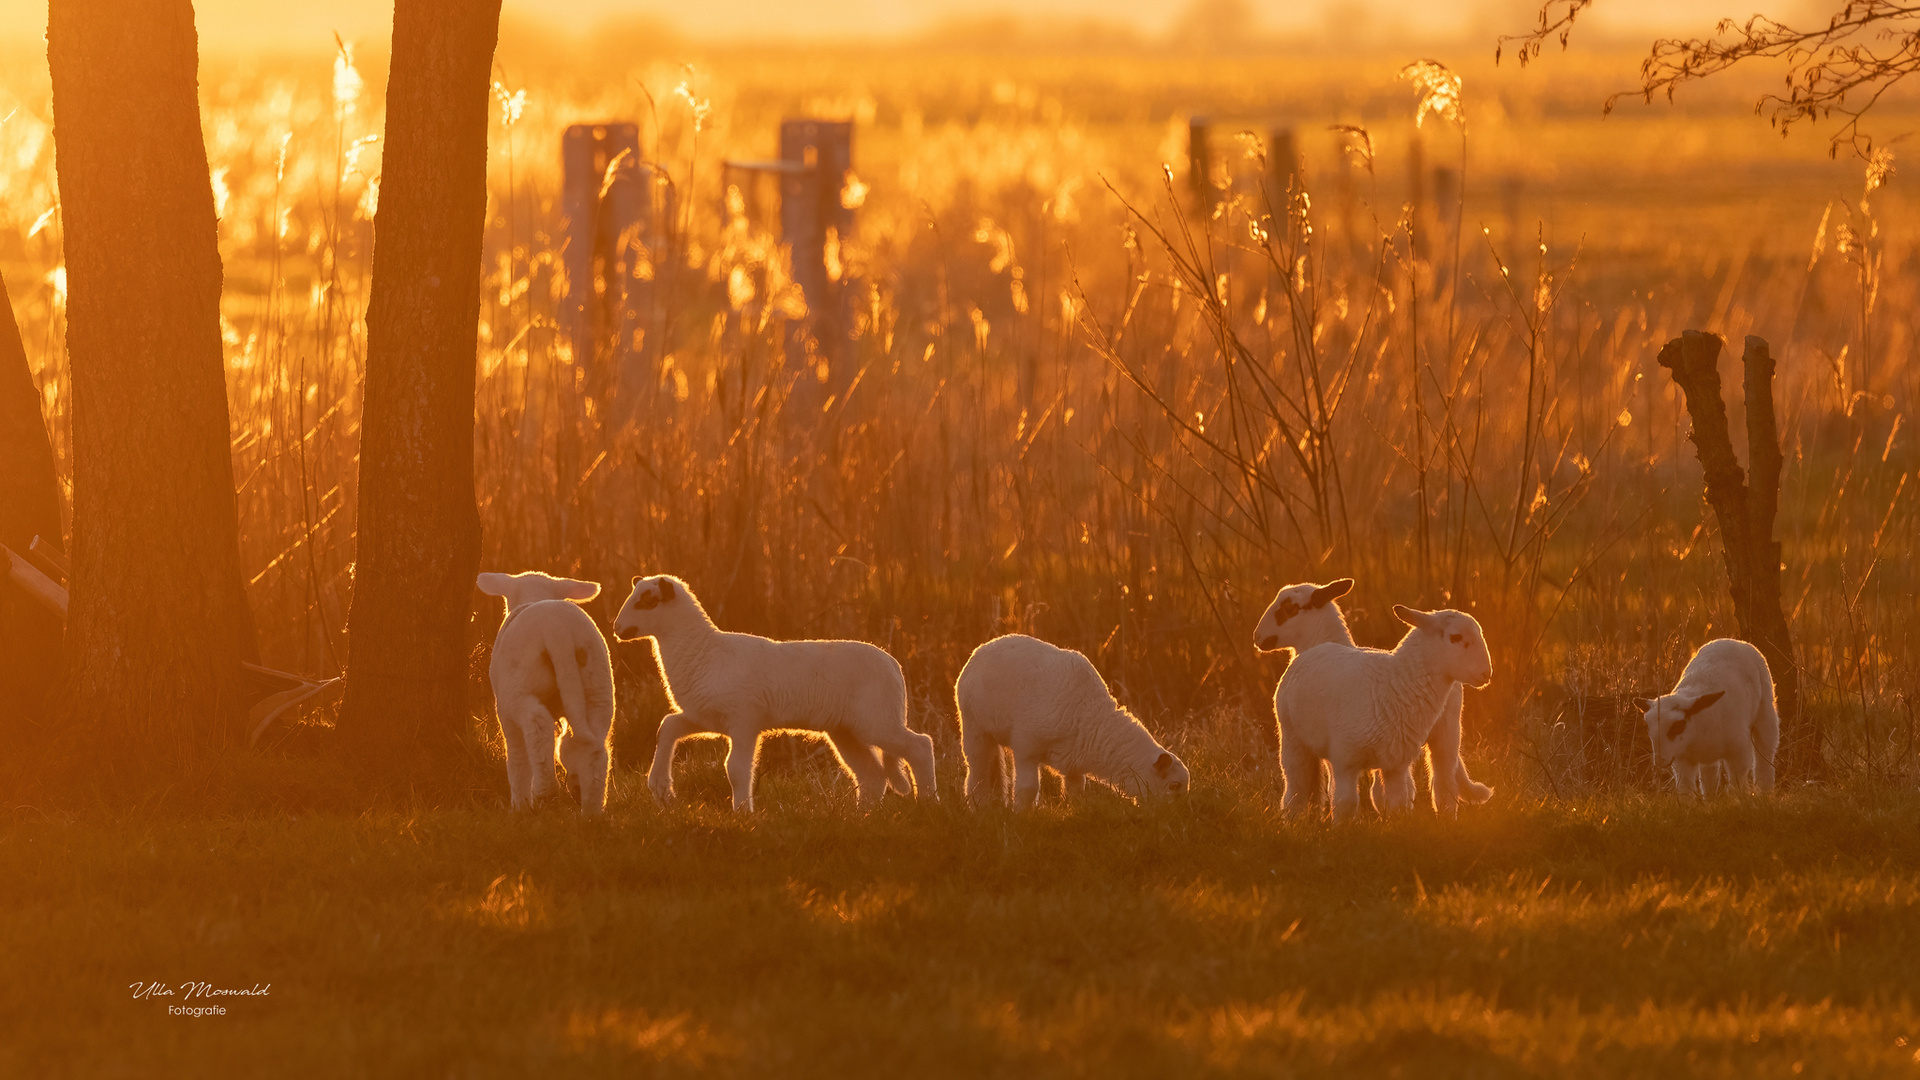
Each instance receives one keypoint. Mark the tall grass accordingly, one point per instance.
(1076, 410)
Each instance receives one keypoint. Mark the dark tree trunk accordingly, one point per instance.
(405, 715)
(158, 624)
(29, 507)
(1746, 516)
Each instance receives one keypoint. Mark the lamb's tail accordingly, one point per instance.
(570, 677)
(1472, 792)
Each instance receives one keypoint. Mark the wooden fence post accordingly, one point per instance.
(1746, 518)
(1283, 161)
(815, 221)
(1200, 167)
(606, 206)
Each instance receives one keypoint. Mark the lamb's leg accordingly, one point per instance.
(519, 773)
(538, 731)
(1302, 771)
(896, 772)
(1072, 784)
(1026, 782)
(869, 776)
(1743, 767)
(587, 763)
(1443, 750)
(1713, 777)
(673, 728)
(1766, 742)
(919, 754)
(741, 750)
(1686, 778)
(986, 779)
(1397, 788)
(1346, 792)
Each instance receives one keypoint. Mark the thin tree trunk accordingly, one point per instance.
(29, 507)
(1746, 517)
(158, 623)
(405, 713)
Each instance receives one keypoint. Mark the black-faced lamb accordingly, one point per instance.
(1722, 710)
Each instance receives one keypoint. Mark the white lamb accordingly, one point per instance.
(742, 687)
(549, 662)
(1050, 707)
(1721, 710)
(1305, 615)
(1360, 709)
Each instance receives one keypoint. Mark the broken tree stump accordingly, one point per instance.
(1745, 512)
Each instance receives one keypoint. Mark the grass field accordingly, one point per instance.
(1628, 937)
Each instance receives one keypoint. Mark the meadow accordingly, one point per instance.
(1074, 407)
(1616, 936)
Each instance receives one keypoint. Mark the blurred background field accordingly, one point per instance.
(1063, 416)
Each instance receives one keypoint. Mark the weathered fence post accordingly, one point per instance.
(1283, 161)
(1746, 517)
(1200, 166)
(815, 221)
(606, 206)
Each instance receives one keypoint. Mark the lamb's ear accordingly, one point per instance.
(1703, 701)
(1644, 704)
(578, 590)
(1425, 620)
(1676, 728)
(1333, 590)
(635, 581)
(1163, 763)
(494, 584)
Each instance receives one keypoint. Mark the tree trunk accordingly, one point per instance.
(405, 714)
(158, 624)
(29, 507)
(1746, 517)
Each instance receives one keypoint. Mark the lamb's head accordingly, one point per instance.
(1303, 616)
(533, 586)
(1166, 776)
(1454, 642)
(652, 606)
(1667, 719)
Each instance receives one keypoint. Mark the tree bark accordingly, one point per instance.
(405, 715)
(1746, 518)
(158, 624)
(30, 653)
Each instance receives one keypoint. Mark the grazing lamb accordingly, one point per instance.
(549, 661)
(1305, 615)
(1050, 707)
(742, 687)
(1360, 709)
(1721, 710)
